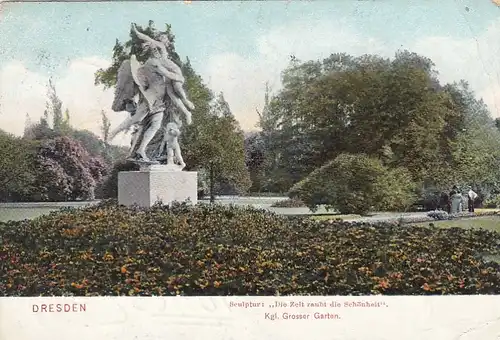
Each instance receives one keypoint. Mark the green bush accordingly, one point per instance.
(17, 169)
(492, 203)
(356, 184)
(217, 250)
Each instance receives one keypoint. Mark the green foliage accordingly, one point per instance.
(395, 189)
(216, 250)
(40, 131)
(356, 183)
(393, 109)
(99, 148)
(17, 171)
(492, 202)
(476, 148)
(432, 198)
(217, 145)
(109, 188)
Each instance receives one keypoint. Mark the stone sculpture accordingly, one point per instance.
(158, 83)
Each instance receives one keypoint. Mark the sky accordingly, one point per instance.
(235, 46)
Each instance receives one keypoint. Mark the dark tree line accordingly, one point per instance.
(394, 110)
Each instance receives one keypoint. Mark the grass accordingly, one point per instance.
(18, 214)
(491, 223)
(352, 216)
(335, 216)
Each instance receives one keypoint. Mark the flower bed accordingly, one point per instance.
(221, 250)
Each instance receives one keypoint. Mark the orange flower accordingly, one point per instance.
(217, 284)
(426, 287)
(384, 284)
(123, 270)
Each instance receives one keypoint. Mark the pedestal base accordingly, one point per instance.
(148, 186)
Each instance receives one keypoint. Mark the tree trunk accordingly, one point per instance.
(212, 183)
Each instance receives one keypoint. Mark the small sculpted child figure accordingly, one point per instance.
(173, 147)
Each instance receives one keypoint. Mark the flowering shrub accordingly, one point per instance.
(225, 250)
(65, 171)
(438, 215)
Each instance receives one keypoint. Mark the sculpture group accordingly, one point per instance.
(158, 85)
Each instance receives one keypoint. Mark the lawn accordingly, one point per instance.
(485, 222)
(18, 214)
(335, 216)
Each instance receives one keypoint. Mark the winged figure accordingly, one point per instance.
(154, 84)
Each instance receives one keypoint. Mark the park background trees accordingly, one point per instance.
(394, 110)
(381, 115)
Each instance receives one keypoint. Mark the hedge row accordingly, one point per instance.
(217, 250)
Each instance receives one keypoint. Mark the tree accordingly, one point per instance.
(105, 126)
(66, 125)
(263, 151)
(60, 121)
(220, 149)
(54, 108)
(395, 110)
(17, 172)
(476, 146)
(255, 157)
(90, 142)
(40, 130)
(28, 128)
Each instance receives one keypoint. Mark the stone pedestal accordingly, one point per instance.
(157, 182)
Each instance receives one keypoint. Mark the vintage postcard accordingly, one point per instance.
(250, 170)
